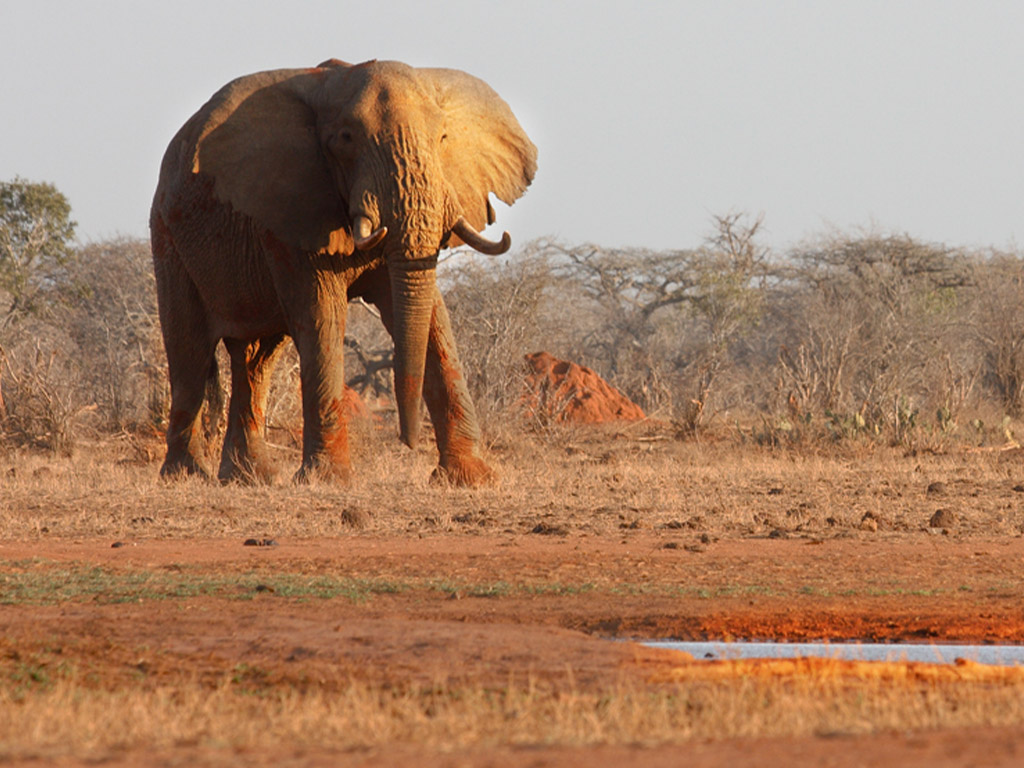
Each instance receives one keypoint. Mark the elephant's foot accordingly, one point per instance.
(248, 470)
(464, 471)
(320, 470)
(178, 467)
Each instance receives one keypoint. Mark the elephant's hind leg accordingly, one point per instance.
(191, 364)
(244, 456)
(193, 372)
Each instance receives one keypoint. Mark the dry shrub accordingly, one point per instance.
(502, 310)
(848, 336)
(40, 404)
(114, 323)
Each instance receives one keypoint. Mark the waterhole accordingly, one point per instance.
(998, 655)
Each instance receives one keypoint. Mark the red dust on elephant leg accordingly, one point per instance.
(451, 409)
(331, 460)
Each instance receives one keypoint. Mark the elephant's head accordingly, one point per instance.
(377, 156)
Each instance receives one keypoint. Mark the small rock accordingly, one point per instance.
(869, 522)
(670, 545)
(546, 529)
(264, 588)
(943, 518)
(260, 543)
(1019, 488)
(299, 653)
(695, 548)
(777, 533)
(774, 491)
(936, 489)
(118, 544)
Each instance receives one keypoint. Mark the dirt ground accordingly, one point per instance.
(629, 586)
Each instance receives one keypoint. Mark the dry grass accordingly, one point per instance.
(571, 480)
(70, 718)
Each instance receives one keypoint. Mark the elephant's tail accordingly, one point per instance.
(214, 413)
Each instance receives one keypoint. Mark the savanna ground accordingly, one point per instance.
(397, 622)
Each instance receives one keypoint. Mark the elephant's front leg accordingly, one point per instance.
(319, 336)
(451, 408)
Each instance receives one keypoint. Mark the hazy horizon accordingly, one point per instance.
(901, 117)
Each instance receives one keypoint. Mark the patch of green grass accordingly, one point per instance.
(47, 583)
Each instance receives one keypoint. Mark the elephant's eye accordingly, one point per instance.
(443, 137)
(346, 136)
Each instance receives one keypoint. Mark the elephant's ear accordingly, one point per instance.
(258, 141)
(485, 149)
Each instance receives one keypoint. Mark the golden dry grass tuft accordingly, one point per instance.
(70, 718)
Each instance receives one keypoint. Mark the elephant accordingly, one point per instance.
(294, 191)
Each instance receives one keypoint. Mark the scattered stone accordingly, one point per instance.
(943, 518)
(774, 491)
(546, 529)
(118, 544)
(695, 548)
(1019, 488)
(670, 545)
(674, 524)
(632, 525)
(456, 595)
(144, 520)
(936, 488)
(705, 539)
(264, 588)
(777, 533)
(260, 543)
(831, 522)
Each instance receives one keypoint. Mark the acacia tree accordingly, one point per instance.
(36, 234)
(38, 397)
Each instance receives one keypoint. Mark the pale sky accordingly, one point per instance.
(650, 117)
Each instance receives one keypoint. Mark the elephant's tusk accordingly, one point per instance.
(478, 242)
(364, 238)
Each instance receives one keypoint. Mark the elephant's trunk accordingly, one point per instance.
(412, 297)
